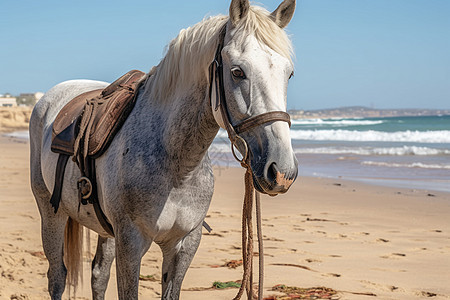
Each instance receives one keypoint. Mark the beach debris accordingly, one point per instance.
(332, 275)
(19, 297)
(294, 265)
(213, 234)
(217, 285)
(153, 278)
(225, 285)
(382, 240)
(38, 254)
(291, 292)
(431, 195)
(233, 264)
(398, 254)
(319, 220)
(311, 260)
(427, 294)
(393, 288)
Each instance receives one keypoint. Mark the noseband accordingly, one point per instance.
(220, 105)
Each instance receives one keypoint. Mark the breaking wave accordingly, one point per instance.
(405, 165)
(337, 122)
(391, 151)
(439, 136)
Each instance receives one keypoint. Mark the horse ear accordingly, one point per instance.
(283, 14)
(238, 10)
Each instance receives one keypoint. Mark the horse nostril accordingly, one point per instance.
(272, 173)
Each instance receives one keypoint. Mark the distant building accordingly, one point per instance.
(29, 99)
(7, 100)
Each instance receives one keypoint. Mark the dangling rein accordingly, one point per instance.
(219, 105)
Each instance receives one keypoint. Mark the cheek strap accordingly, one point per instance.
(214, 96)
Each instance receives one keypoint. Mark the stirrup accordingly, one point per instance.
(84, 186)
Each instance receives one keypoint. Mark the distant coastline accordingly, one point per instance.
(364, 112)
(17, 118)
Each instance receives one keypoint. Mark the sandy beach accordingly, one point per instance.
(362, 241)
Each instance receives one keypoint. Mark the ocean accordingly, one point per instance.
(408, 152)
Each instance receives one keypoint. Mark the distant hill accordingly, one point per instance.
(14, 118)
(364, 112)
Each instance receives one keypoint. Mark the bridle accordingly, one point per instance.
(220, 112)
(220, 106)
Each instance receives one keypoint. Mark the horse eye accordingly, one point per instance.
(292, 75)
(238, 73)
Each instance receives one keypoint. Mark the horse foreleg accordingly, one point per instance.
(176, 262)
(101, 266)
(130, 247)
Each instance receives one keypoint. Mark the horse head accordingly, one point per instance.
(256, 67)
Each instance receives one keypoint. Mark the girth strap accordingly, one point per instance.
(57, 190)
(59, 179)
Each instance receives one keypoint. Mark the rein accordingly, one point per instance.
(237, 142)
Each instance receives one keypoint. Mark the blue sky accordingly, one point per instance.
(380, 53)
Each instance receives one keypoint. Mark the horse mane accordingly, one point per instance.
(189, 55)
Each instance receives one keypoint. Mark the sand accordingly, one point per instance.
(366, 242)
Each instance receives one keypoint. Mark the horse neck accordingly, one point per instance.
(187, 129)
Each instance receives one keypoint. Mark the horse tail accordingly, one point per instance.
(73, 252)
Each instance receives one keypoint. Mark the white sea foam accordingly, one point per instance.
(405, 165)
(19, 135)
(220, 147)
(363, 151)
(391, 151)
(337, 122)
(222, 134)
(439, 136)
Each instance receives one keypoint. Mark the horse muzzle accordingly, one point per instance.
(274, 180)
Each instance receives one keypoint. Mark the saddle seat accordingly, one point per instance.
(95, 115)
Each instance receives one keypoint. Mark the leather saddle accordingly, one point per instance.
(104, 111)
(84, 129)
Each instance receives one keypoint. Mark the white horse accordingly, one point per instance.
(155, 181)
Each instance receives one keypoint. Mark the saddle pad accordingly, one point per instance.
(109, 109)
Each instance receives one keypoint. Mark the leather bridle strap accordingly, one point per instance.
(216, 79)
(262, 119)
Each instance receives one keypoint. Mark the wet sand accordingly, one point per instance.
(365, 242)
